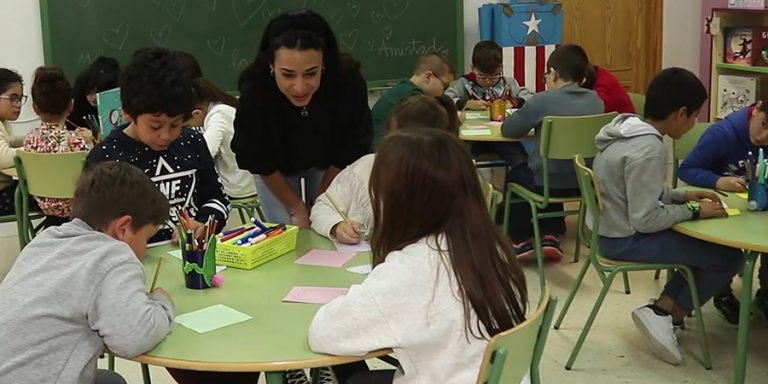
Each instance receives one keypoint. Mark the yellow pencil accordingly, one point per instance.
(157, 272)
(339, 211)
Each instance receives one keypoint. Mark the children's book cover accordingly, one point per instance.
(738, 45)
(734, 93)
(760, 46)
(110, 111)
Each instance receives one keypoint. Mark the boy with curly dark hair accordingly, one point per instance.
(157, 98)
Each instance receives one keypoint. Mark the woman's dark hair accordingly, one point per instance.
(426, 178)
(155, 82)
(8, 78)
(51, 92)
(302, 30)
(425, 111)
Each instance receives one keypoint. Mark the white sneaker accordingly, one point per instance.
(659, 332)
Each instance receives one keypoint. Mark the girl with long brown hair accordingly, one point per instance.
(444, 279)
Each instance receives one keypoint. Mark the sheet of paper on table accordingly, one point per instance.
(212, 318)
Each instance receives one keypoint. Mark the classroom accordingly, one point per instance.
(544, 191)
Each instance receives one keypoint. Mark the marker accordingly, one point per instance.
(258, 224)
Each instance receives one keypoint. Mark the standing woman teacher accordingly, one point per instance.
(303, 115)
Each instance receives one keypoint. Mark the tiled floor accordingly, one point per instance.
(614, 352)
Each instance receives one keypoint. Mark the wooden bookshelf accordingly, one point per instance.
(734, 18)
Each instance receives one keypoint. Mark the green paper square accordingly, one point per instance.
(211, 318)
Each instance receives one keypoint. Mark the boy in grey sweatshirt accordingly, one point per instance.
(78, 288)
(639, 208)
(566, 69)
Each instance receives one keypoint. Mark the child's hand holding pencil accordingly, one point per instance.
(347, 231)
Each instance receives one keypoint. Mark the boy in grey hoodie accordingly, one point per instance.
(78, 288)
(639, 208)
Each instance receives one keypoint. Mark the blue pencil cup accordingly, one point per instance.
(193, 279)
(757, 196)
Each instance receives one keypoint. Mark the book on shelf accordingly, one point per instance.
(735, 93)
(738, 45)
(760, 46)
(754, 4)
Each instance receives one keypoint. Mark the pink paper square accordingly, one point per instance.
(314, 295)
(325, 258)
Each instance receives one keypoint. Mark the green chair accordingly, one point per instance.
(638, 101)
(562, 137)
(247, 207)
(492, 197)
(607, 269)
(45, 175)
(513, 353)
(683, 147)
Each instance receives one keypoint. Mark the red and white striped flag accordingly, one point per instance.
(527, 64)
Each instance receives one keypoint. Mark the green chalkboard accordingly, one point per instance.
(386, 35)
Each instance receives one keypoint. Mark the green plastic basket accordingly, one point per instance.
(249, 257)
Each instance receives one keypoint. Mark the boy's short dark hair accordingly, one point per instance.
(487, 57)
(435, 63)
(156, 82)
(672, 89)
(570, 61)
(109, 190)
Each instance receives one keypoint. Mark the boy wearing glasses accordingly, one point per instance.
(11, 99)
(566, 69)
(718, 162)
(486, 82)
(431, 76)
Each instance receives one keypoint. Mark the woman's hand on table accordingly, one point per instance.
(300, 216)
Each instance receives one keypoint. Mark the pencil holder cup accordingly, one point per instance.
(757, 196)
(198, 266)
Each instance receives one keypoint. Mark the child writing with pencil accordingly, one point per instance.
(157, 97)
(431, 76)
(429, 296)
(11, 99)
(486, 81)
(52, 101)
(344, 211)
(78, 288)
(719, 161)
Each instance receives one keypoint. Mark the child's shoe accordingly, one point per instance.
(523, 249)
(550, 247)
(728, 306)
(659, 332)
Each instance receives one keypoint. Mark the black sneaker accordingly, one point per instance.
(524, 249)
(761, 304)
(728, 307)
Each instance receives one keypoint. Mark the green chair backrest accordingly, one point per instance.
(590, 196)
(511, 354)
(49, 174)
(564, 136)
(638, 101)
(685, 144)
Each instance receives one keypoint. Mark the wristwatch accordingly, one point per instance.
(695, 208)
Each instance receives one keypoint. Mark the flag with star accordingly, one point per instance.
(528, 31)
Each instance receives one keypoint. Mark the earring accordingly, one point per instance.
(272, 72)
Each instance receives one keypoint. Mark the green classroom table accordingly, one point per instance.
(275, 340)
(475, 119)
(746, 231)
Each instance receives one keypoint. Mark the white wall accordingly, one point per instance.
(680, 40)
(23, 51)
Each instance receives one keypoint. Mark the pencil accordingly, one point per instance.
(721, 193)
(339, 211)
(157, 272)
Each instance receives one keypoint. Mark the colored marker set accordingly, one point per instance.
(757, 195)
(250, 235)
(255, 243)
